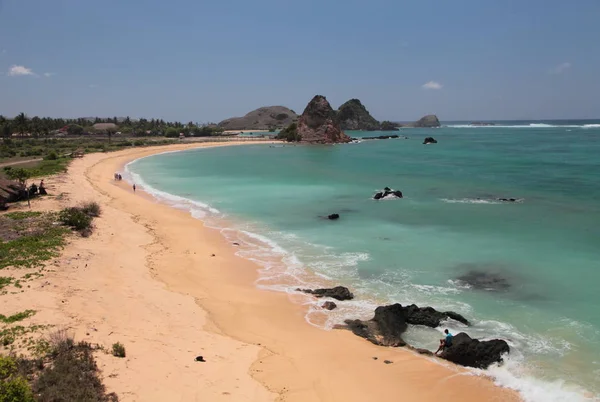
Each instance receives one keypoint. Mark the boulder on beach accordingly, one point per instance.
(339, 292)
(429, 140)
(384, 329)
(318, 124)
(474, 353)
(329, 305)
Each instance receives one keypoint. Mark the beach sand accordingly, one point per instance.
(147, 278)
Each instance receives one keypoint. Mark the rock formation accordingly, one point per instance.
(352, 115)
(263, 118)
(384, 329)
(387, 193)
(329, 305)
(388, 126)
(483, 280)
(339, 293)
(430, 140)
(318, 124)
(430, 120)
(430, 317)
(333, 217)
(473, 353)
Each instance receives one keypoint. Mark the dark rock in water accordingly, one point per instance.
(430, 317)
(333, 217)
(381, 137)
(385, 328)
(507, 199)
(339, 293)
(473, 353)
(482, 280)
(428, 121)
(430, 140)
(387, 192)
(329, 305)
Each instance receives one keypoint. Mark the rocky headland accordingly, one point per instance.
(353, 115)
(264, 118)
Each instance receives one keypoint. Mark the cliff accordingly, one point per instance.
(319, 124)
(263, 118)
(352, 115)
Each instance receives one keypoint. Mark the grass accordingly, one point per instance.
(17, 317)
(32, 250)
(49, 167)
(9, 335)
(118, 350)
(5, 281)
(75, 218)
(22, 215)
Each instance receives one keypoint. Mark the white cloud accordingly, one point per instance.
(561, 68)
(49, 74)
(19, 70)
(432, 85)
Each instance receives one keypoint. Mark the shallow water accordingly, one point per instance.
(545, 246)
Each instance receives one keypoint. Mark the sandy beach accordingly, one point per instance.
(168, 288)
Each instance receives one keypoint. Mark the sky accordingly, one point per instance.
(204, 61)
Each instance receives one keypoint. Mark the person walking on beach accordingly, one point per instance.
(445, 343)
(134, 187)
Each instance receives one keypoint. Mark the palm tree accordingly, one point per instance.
(22, 124)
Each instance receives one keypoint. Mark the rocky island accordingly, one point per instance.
(318, 124)
(264, 118)
(352, 115)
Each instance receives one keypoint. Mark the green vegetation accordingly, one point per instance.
(75, 218)
(67, 373)
(5, 281)
(17, 317)
(22, 215)
(11, 334)
(290, 134)
(91, 209)
(118, 350)
(13, 386)
(32, 250)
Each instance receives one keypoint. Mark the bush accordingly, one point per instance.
(73, 375)
(91, 208)
(118, 350)
(75, 218)
(290, 134)
(52, 156)
(13, 387)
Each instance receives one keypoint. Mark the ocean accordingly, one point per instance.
(542, 250)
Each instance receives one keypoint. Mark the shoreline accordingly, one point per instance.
(156, 283)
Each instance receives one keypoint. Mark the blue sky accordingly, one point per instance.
(209, 60)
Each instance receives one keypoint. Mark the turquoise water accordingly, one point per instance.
(271, 200)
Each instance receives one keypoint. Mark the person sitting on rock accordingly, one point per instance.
(445, 343)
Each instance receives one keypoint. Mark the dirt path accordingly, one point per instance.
(20, 162)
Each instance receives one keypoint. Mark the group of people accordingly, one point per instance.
(118, 177)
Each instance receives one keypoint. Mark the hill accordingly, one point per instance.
(263, 118)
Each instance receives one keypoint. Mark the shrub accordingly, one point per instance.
(52, 156)
(118, 350)
(75, 218)
(13, 387)
(91, 208)
(290, 134)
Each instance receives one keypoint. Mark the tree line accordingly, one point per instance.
(40, 127)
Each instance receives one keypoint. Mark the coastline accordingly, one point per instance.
(151, 282)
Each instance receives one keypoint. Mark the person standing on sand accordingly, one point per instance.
(134, 187)
(445, 343)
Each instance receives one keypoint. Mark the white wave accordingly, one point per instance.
(531, 125)
(469, 201)
(591, 126)
(512, 375)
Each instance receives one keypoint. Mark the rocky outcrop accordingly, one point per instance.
(381, 137)
(333, 217)
(289, 134)
(384, 329)
(352, 115)
(329, 305)
(482, 280)
(387, 193)
(430, 317)
(429, 140)
(430, 120)
(473, 353)
(388, 126)
(263, 118)
(339, 293)
(318, 124)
